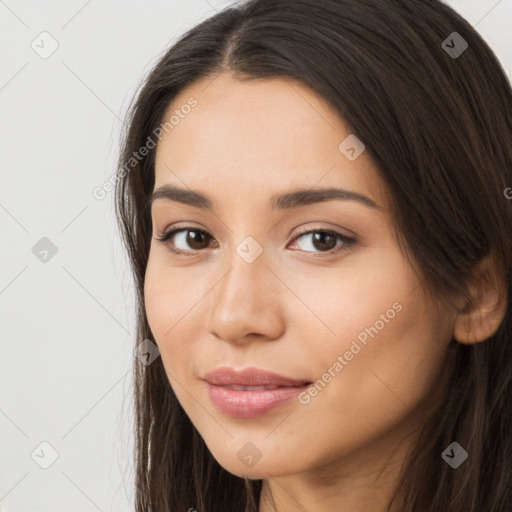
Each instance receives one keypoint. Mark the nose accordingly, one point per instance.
(245, 304)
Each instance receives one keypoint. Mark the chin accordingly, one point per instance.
(239, 465)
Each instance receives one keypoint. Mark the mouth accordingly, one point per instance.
(238, 387)
(251, 392)
(251, 377)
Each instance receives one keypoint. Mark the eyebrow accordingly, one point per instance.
(283, 201)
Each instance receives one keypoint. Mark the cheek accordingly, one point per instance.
(169, 302)
(344, 302)
(170, 294)
(376, 347)
(176, 301)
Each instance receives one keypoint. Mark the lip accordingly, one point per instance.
(226, 389)
(225, 376)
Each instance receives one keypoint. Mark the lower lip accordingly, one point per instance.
(251, 404)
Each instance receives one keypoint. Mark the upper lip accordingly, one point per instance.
(250, 377)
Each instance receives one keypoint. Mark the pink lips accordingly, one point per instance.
(251, 392)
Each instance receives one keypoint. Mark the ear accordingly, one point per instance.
(480, 318)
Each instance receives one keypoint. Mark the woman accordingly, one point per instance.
(313, 199)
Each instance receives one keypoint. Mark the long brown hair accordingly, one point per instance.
(439, 128)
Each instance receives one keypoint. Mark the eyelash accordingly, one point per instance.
(347, 241)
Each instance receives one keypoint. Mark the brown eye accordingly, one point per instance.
(322, 241)
(190, 240)
(196, 239)
(186, 240)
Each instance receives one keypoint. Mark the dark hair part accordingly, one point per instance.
(440, 131)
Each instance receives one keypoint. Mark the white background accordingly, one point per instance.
(67, 324)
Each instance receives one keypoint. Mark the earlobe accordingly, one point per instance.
(478, 322)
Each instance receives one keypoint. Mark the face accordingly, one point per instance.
(316, 291)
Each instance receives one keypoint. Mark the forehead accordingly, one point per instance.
(256, 135)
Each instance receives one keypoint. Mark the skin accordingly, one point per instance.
(297, 307)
